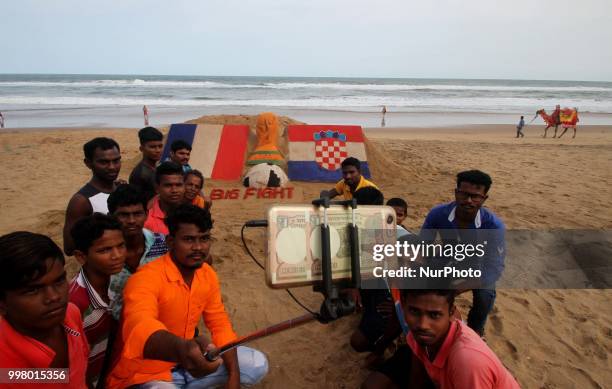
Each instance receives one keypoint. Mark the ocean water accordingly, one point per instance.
(51, 100)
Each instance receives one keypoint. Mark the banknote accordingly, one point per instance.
(294, 241)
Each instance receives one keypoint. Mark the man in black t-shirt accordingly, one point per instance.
(151, 146)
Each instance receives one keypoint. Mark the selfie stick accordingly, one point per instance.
(333, 306)
(285, 325)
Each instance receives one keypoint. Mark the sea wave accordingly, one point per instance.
(359, 103)
(345, 86)
(116, 83)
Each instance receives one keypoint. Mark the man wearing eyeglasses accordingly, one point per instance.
(467, 213)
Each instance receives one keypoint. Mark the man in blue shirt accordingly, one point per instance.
(519, 127)
(467, 213)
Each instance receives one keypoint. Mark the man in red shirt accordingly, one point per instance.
(38, 327)
(445, 351)
(171, 193)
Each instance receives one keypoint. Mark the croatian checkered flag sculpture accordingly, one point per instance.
(316, 151)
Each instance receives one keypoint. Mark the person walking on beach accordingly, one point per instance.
(384, 112)
(519, 127)
(1, 120)
(145, 111)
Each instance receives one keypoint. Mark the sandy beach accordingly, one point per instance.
(546, 338)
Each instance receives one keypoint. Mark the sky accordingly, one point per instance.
(514, 39)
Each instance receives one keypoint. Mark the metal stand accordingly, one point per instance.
(335, 306)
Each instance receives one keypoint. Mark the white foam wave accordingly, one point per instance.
(362, 103)
(119, 84)
(432, 87)
(124, 83)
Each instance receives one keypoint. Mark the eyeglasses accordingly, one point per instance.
(476, 197)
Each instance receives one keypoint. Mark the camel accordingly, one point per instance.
(567, 117)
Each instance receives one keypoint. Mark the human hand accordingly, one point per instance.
(191, 357)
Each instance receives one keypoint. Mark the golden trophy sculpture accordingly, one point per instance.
(266, 160)
(267, 141)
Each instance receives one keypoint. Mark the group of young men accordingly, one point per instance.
(129, 318)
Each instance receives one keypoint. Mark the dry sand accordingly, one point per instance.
(547, 338)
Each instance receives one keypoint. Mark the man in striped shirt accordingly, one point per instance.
(100, 249)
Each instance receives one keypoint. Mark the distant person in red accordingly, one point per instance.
(145, 111)
(1, 120)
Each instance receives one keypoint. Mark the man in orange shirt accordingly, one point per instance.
(194, 183)
(163, 302)
(170, 187)
(39, 328)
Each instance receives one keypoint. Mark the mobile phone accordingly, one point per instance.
(294, 241)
